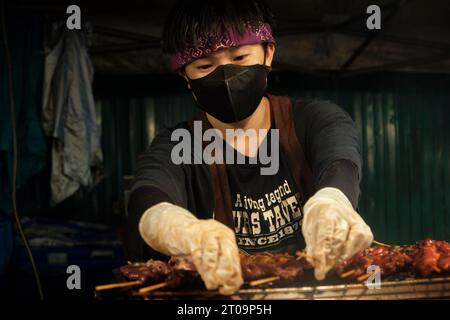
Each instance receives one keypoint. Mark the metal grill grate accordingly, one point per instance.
(433, 288)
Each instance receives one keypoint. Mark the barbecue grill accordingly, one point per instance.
(420, 271)
(427, 288)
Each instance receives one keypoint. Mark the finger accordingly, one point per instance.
(320, 247)
(320, 268)
(229, 268)
(197, 259)
(339, 242)
(211, 251)
(330, 243)
(360, 237)
(227, 259)
(206, 261)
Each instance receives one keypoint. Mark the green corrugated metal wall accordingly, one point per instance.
(406, 180)
(403, 123)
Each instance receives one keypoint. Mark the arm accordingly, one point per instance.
(332, 229)
(154, 177)
(343, 175)
(331, 146)
(157, 206)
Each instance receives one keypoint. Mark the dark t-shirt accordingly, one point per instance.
(266, 209)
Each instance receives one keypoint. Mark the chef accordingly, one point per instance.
(209, 210)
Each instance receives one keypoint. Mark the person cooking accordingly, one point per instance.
(210, 211)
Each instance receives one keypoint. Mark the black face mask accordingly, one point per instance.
(231, 92)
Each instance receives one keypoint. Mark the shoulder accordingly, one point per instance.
(316, 107)
(176, 141)
(319, 113)
(160, 148)
(165, 136)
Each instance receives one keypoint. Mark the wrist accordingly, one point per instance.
(165, 227)
(328, 195)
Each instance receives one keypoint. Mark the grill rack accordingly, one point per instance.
(429, 288)
(400, 286)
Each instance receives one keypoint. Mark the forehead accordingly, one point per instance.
(248, 48)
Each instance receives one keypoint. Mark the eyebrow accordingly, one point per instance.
(202, 61)
(208, 59)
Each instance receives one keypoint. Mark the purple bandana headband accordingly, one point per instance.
(210, 43)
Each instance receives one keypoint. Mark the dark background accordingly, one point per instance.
(394, 83)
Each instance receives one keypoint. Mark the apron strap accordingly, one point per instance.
(219, 179)
(281, 110)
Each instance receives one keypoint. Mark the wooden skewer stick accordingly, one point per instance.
(153, 287)
(263, 280)
(437, 269)
(348, 273)
(116, 285)
(244, 252)
(304, 255)
(364, 276)
(380, 243)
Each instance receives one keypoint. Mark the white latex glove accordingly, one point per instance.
(211, 245)
(333, 230)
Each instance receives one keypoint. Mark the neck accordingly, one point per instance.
(260, 119)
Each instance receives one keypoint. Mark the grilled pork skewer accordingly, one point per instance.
(390, 260)
(256, 268)
(424, 258)
(433, 256)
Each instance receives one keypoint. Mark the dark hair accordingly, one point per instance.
(190, 20)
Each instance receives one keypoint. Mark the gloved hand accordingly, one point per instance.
(211, 245)
(333, 230)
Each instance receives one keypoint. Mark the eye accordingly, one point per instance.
(204, 66)
(240, 58)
